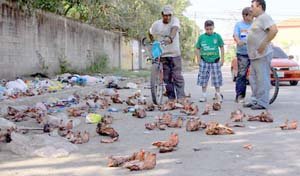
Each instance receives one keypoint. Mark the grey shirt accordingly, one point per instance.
(257, 34)
(159, 30)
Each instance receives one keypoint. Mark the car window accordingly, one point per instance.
(279, 53)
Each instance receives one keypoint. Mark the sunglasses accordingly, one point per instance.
(246, 14)
(167, 15)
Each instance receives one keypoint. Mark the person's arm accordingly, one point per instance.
(150, 36)
(236, 34)
(222, 55)
(221, 45)
(271, 33)
(198, 54)
(238, 41)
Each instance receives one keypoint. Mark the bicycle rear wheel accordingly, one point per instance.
(274, 86)
(156, 83)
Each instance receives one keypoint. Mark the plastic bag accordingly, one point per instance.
(93, 118)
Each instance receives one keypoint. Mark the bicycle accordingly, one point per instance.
(274, 81)
(157, 84)
(275, 84)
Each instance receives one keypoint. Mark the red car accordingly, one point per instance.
(287, 69)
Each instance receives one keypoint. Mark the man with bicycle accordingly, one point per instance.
(167, 30)
(262, 32)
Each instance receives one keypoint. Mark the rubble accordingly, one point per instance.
(237, 116)
(214, 128)
(138, 161)
(190, 109)
(194, 124)
(139, 113)
(263, 117)
(289, 126)
(105, 130)
(167, 146)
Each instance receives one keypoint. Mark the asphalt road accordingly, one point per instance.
(274, 153)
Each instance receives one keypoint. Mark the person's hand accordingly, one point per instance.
(262, 48)
(222, 62)
(167, 41)
(241, 43)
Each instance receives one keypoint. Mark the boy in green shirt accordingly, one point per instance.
(210, 62)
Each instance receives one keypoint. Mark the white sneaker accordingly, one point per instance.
(203, 99)
(241, 100)
(219, 97)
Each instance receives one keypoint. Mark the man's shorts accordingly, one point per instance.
(205, 70)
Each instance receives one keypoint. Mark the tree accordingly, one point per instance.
(130, 17)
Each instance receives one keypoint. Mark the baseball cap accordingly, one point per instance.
(167, 10)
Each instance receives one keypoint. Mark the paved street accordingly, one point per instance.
(275, 152)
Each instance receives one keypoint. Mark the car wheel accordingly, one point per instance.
(232, 75)
(293, 83)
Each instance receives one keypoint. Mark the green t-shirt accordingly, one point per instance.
(209, 46)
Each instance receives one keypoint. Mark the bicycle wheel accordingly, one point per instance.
(156, 83)
(274, 86)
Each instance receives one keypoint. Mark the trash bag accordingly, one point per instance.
(17, 85)
(93, 118)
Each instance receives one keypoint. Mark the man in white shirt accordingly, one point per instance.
(167, 29)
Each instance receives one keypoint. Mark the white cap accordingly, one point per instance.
(167, 10)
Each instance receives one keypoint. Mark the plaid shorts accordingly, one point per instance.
(205, 70)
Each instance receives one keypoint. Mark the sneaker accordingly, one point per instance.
(257, 107)
(218, 97)
(248, 105)
(240, 99)
(203, 99)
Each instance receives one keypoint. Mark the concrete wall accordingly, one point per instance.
(29, 42)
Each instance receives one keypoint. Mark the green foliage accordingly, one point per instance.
(42, 63)
(132, 18)
(230, 53)
(99, 64)
(64, 65)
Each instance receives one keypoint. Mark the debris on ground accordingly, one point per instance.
(235, 125)
(208, 109)
(93, 118)
(139, 113)
(263, 117)
(194, 124)
(168, 106)
(167, 146)
(138, 161)
(105, 130)
(164, 121)
(248, 146)
(149, 107)
(5, 135)
(190, 109)
(289, 126)
(237, 116)
(116, 99)
(77, 137)
(214, 128)
(216, 106)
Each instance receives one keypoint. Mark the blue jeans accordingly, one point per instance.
(243, 62)
(260, 81)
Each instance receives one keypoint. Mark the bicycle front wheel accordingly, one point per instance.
(274, 86)
(156, 83)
